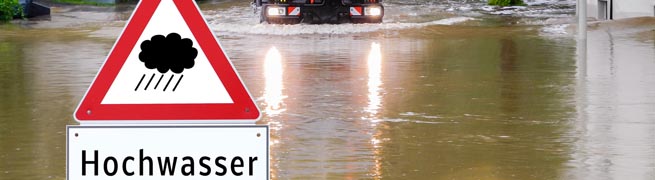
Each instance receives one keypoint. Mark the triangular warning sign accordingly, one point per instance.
(167, 65)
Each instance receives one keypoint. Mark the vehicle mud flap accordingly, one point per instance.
(309, 18)
(261, 16)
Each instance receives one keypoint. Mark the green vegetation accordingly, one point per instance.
(9, 9)
(82, 2)
(506, 2)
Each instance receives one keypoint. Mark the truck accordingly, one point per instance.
(320, 11)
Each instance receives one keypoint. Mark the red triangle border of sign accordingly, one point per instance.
(91, 108)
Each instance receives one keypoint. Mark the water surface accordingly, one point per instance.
(440, 90)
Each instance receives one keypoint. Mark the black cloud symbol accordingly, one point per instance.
(168, 53)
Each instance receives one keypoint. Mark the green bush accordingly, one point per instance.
(82, 2)
(9, 9)
(506, 2)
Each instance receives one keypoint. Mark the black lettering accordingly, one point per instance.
(141, 160)
(94, 163)
(218, 163)
(167, 166)
(236, 165)
(252, 161)
(189, 166)
(115, 162)
(128, 158)
(202, 163)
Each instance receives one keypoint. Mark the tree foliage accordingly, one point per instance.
(9, 9)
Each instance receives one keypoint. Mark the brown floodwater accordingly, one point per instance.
(450, 91)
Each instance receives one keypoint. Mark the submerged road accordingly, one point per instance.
(440, 90)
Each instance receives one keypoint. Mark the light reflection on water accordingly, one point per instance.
(273, 99)
(273, 72)
(616, 106)
(374, 79)
(374, 62)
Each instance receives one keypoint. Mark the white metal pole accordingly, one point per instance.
(582, 19)
(582, 36)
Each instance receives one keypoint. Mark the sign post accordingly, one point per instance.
(167, 104)
(582, 19)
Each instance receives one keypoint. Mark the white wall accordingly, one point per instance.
(633, 8)
(624, 8)
(592, 8)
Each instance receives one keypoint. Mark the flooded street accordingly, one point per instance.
(440, 90)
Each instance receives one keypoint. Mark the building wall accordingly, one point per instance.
(624, 8)
(592, 8)
(634, 8)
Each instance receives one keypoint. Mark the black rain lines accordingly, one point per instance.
(158, 82)
(164, 53)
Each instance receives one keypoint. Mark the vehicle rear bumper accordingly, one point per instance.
(321, 13)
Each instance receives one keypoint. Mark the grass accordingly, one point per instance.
(506, 2)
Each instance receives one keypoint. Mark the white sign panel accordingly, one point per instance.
(167, 152)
